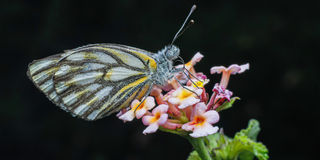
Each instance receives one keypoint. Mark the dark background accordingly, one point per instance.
(278, 38)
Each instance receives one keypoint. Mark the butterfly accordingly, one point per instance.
(96, 80)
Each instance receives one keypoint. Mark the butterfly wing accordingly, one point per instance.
(96, 80)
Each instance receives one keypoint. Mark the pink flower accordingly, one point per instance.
(220, 96)
(156, 92)
(138, 112)
(184, 98)
(226, 72)
(202, 76)
(220, 90)
(221, 93)
(195, 59)
(201, 123)
(159, 117)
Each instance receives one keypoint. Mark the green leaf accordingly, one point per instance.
(242, 143)
(194, 156)
(246, 155)
(252, 130)
(227, 104)
(243, 146)
(212, 141)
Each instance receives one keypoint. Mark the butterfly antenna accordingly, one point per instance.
(191, 22)
(182, 29)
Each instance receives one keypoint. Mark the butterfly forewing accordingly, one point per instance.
(95, 80)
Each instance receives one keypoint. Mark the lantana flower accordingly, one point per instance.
(220, 90)
(221, 93)
(146, 105)
(184, 97)
(194, 60)
(183, 104)
(201, 122)
(158, 117)
(226, 72)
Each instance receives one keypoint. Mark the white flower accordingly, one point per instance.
(201, 123)
(140, 111)
(159, 117)
(184, 98)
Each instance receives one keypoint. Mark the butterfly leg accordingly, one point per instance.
(190, 78)
(192, 74)
(182, 70)
(185, 87)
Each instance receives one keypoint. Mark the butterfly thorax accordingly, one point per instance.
(164, 59)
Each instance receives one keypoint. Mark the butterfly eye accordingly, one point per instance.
(172, 52)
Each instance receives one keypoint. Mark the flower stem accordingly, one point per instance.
(179, 132)
(199, 145)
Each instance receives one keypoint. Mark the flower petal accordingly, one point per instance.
(205, 130)
(188, 102)
(196, 58)
(149, 103)
(163, 118)
(200, 108)
(244, 67)
(140, 112)
(173, 100)
(234, 68)
(176, 92)
(134, 103)
(146, 120)
(199, 91)
(217, 69)
(151, 129)
(211, 116)
(187, 126)
(128, 116)
(162, 108)
(122, 111)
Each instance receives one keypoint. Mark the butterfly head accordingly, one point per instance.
(172, 52)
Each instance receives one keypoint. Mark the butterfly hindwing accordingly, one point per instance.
(95, 80)
(41, 72)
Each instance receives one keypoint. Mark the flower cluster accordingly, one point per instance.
(184, 107)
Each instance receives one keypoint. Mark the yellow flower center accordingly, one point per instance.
(140, 107)
(184, 94)
(156, 117)
(189, 64)
(198, 120)
(199, 84)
